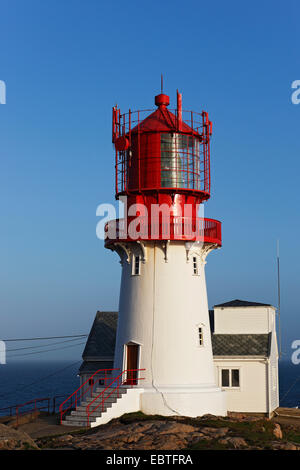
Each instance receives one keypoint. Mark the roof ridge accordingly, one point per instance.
(242, 303)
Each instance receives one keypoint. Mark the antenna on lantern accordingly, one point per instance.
(161, 83)
(179, 110)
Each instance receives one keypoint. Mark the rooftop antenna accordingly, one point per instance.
(161, 83)
(278, 292)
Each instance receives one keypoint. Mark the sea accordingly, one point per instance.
(21, 382)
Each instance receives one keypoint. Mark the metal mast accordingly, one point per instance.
(278, 293)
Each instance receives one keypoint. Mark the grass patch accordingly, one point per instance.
(27, 446)
(214, 444)
(255, 432)
(128, 418)
(292, 436)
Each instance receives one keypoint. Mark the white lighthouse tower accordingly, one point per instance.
(163, 343)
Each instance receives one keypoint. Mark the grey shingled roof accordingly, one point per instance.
(90, 367)
(241, 345)
(242, 303)
(101, 341)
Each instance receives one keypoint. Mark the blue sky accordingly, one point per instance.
(65, 64)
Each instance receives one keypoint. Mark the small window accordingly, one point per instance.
(200, 336)
(91, 381)
(230, 378)
(195, 265)
(235, 378)
(136, 265)
(101, 381)
(225, 378)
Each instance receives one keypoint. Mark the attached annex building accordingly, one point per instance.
(246, 355)
(244, 351)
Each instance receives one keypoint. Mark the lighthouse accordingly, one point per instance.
(162, 175)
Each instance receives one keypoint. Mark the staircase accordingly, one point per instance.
(79, 417)
(117, 397)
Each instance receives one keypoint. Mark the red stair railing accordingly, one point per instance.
(77, 397)
(120, 380)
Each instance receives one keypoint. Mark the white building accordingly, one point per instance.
(244, 346)
(246, 355)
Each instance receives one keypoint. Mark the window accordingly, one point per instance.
(195, 265)
(200, 336)
(235, 378)
(136, 265)
(91, 381)
(180, 161)
(225, 378)
(230, 378)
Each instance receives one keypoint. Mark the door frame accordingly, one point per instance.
(132, 343)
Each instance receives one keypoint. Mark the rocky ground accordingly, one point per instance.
(136, 431)
(13, 439)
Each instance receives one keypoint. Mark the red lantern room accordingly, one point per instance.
(162, 152)
(163, 157)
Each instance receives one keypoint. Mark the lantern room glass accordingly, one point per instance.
(180, 161)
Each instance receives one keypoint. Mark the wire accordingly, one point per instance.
(49, 337)
(292, 386)
(43, 345)
(39, 380)
(46, 350)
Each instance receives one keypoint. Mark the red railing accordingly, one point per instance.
(76, 396)
(171, 228)
(14, 410)
(123, 124)
(35, 408)
(126, 127)
(119, 381)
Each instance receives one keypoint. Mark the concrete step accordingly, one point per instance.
(101, 389)
(74, 423)
(77, 421)
(111, 398)
(84, 404)
(109, 392)
(100, 397)
(80, 424)
(97, 412)
(83, 408)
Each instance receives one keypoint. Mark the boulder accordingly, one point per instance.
(277, 431)
(236, 442)
(284, 446)
(215, 432)
(65, 438)
(12, 439)
(176, 428)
